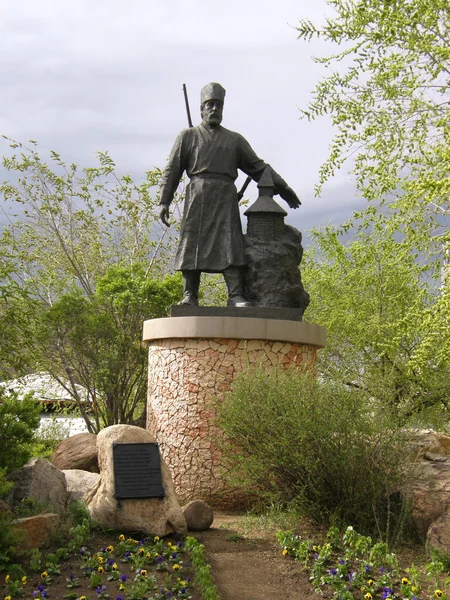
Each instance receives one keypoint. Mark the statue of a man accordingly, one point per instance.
(211, 238)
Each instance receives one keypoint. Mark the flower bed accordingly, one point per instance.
(120, 568)
(351, 567)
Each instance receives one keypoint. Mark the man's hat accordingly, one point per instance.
(212, 91)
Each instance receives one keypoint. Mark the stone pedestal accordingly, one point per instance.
(192, 362)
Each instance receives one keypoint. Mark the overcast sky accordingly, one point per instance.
(83, 76)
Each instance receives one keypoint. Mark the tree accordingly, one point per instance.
(72, 226)
(19, 420)
(83, 264)
(373, 294)
(389, 100)
(388, 97)
(95, 342)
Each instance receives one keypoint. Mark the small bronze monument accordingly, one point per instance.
(265, 216)
(274, 252)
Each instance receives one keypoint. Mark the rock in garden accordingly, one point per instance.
(42, 482)
(429, 494)
(157, 516)
(429, 490)
(77, 452)
(438, 537)
(36, 531)
(199, 515)
(80, 483)
(425, 442)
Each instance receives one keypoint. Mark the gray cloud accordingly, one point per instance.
(82, 77)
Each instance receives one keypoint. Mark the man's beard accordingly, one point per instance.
(213, 120)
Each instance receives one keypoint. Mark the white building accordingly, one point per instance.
(52, 396)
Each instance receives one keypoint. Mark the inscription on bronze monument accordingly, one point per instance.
(137, 471)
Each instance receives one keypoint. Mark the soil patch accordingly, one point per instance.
(251, 568)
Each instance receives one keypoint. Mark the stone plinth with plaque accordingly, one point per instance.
(135, 491)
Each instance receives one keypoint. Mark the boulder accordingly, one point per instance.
(36, 531)
(429, 490)
(77, 452)
(80, 483)
(426, 443)
(157, 516)
(199, 515)
(429, 493)
(438, 536)
(42, 482)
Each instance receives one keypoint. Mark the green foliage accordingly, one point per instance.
(83, 266)
(28, 507)
(5, 485)
(388, 97)
(16, 572)
(78, 512)
(47, 438)
(203, 578)
(373, 294)
(349, 563)
(79, 534)
(9, 539)
(335, 453)
(19, 420)
(36, 560)
(100, 338)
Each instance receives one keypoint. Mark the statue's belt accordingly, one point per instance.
(218, 176)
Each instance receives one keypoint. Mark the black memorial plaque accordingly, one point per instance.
(137, 471)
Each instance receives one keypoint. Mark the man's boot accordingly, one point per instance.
(191, 285)
(235, 284)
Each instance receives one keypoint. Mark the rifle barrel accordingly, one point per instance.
(188, 110)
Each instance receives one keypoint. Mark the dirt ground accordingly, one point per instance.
(251, 568)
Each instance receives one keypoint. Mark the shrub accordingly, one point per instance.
(19, 420)
(333, 452)
(49, 436)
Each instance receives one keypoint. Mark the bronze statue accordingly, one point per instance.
(211, 238)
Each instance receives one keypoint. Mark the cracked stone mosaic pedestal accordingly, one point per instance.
(192, 362)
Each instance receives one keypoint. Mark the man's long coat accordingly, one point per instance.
(211, 234)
